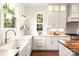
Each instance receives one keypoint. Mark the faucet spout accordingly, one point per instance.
(6, 35)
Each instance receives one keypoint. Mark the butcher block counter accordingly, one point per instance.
(72, 45)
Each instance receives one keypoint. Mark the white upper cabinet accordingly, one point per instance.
(57, 16)
(74, 8)
(73, 13)
(53, 19)
(62, 19)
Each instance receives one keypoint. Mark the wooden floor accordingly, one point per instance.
(45, 53)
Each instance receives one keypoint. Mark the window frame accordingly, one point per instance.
(38, 22)
(2, 17)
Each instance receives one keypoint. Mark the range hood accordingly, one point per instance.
(73, 18)
(73, 13)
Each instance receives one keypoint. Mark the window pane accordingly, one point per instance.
(39, 27)
(9, 16)
(62, 8)
(39, 18)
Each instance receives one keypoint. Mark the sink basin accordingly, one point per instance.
(12, 45)
(17, 43)
(8, 52)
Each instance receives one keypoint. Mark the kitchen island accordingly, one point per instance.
(68, 47)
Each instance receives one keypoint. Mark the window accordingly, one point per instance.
(39, 18)
(56, 8)
(8, 17)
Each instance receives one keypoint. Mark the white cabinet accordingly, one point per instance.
(39, 43)
(27, 49)
(47, 42)
(53, 19)
(52, 43)
(73, 12)
(62, 21)
(74, 8)
(57, 19)
(64, 51)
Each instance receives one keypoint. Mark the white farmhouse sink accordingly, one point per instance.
(18, 43)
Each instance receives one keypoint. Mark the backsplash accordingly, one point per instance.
(56, 31)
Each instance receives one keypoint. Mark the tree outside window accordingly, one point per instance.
(9, 16)
(39, 22)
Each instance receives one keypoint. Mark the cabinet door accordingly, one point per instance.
(62, 17)
(39, 43)
(63, 51)
(74, 8)
(53, 19)
(28, 50)
(52, 43)
(22, 52)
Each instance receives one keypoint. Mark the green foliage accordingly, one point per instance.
(39, 27)
(8, 21)
(39, 18)
(13, 22)
(7, 9)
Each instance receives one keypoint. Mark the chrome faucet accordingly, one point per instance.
(6, 34)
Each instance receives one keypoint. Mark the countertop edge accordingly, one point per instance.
(68, 47)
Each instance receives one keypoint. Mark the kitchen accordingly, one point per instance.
(39, 29)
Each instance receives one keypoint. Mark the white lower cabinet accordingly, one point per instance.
(39, 43)
(47, 42)
(27, 49)
(64, 51)
(52, 43)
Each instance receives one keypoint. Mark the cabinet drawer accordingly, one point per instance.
(39, 47)
(39, 42)
(38, 37)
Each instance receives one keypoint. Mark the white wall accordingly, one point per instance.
(30, 15)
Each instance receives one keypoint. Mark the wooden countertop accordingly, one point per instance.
(73, 45)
